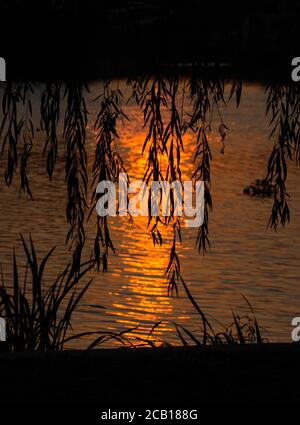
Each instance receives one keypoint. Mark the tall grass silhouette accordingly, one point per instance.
(38, 315)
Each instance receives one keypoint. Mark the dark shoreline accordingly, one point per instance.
(254, 374)
(90, 40)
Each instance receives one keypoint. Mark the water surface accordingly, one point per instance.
(245, 257)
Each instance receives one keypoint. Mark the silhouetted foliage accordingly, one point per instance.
(161, 100)
(283, 107)
(38, 316)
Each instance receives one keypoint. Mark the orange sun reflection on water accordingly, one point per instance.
(141, 298)
(145, 299)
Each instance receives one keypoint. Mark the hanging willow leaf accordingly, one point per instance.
(50, 111)
(76, 168)
(283, 107)
(11, 127)
(107, 163)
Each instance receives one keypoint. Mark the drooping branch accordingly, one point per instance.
(28, 137)
(206, 96)
(158, 99)
(17, 127)
(50, 112)
(108, 162)
(283, 107)
(76, 168)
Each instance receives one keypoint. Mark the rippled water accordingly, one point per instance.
(245, 257)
